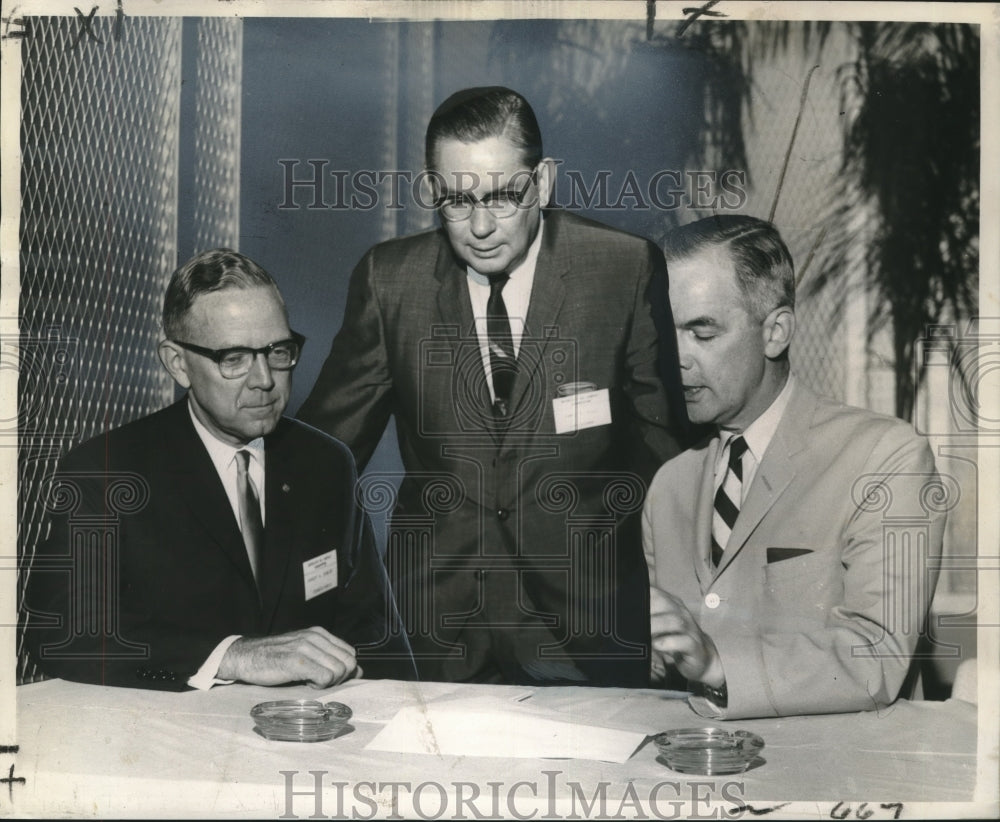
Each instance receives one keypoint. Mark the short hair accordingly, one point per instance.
(475, 114)
(765, 273)
(213, 270)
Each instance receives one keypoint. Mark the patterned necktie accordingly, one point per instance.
(251, 523)
(727, 499)
(503, 365)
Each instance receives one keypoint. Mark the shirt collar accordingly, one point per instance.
(760, 432)
(527, 264)
(222, 453)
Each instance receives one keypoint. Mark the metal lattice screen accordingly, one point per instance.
(218, 76)
(100, 139)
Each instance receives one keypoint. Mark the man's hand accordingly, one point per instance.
(313, 655)
(677, 640)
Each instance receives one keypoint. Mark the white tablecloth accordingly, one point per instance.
(95, 751)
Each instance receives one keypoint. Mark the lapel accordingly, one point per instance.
(453, 300)
(548, 291)
(281, 493)
(704, 505)
(775, 472)
(196, 484)
(455, 312)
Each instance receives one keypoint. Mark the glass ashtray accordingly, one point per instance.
(708, 751)
(300, 720)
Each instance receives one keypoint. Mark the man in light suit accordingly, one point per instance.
(515, 347)
(788, 552)
(214, 540)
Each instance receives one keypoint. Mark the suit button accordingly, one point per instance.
(502, 514)
(712, 600)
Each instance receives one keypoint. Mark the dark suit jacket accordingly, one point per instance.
(555, 511)
(145, 570)
(824, 587)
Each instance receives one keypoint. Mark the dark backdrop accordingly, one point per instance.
(358, 95)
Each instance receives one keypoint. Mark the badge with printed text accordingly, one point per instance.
(320, 574)
(584, 410)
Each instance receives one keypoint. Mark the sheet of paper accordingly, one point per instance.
(490, 728)
(378, 700)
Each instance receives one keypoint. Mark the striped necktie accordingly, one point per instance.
(727, 499)
(501, 345)
(251, 523)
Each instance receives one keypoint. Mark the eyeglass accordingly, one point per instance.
(282, 355)
(501, 204)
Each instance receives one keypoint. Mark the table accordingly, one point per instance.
(98, 751)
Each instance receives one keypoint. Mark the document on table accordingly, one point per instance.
(379, 700)
(492, 726)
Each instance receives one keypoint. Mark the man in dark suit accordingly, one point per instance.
(515, 347)
(215, 540)
(792, 552)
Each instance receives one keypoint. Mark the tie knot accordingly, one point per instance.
(737, 448)
(497, 282)
(243, 460)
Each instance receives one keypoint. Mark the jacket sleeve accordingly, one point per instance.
(653, 376)
(352, 397)
(81, 624)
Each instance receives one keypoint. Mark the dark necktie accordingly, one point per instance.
(503, 365)
(251, 523)
(727, 499)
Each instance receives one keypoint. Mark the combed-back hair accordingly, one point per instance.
(475, 114)
(764, 269)
(208, 271)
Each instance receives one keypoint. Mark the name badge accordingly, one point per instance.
(578, 411)
(320, 574)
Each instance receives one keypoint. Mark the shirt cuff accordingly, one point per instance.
(204, 678)
(704, 706)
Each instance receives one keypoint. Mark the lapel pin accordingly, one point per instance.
(286, 487)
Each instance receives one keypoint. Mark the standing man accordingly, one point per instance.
(791, 552)
(215, 540)
(516, 348)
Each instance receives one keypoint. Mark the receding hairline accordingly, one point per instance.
(182, 320)
(761, 293)
(522, 153)
(211, 271)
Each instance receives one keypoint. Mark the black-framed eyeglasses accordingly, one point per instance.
(235, 362)
(501, 204)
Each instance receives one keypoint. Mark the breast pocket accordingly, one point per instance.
(799, 588)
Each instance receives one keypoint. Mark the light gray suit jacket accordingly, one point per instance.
(825, 584)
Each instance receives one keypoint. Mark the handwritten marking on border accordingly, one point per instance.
(86, 24)
(694, 13)
(14, 21)
(10, 781)
(119, 21)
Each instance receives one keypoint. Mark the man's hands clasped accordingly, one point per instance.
(312, 655)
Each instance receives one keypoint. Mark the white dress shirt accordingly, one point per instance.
(516, 296)
(758, 436)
